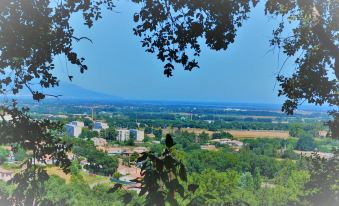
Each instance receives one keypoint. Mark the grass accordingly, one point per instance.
(326, 144)
(11, 166)
(58, 172)
(89, 179)
(92, 179)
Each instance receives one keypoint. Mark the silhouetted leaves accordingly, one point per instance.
(169, 141)
(162, 176)
(127, 198)
(193, 187)
(323, 184)
(171, 29)
(182, 172)
(115, 188)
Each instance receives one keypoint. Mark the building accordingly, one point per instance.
(6, 175)
(74, 128)
(322, 133)
(123, 134)
(115, 150)
(234, 143)
(78, 124)
(99, 142)
(208, 147)
(100, 125)
(138, 135)
(6, 117)
(140, 150)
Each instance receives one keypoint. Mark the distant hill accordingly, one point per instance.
(70, 91)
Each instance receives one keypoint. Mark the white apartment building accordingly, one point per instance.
(100, 125)
(78, 123)
(123, 134)
(138, 135)
(74, 128)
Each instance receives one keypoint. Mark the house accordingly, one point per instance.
(209, 121)
(322, 133)
(234, 143)
(115, 150)
(140, 150)
(6, 175)
(99, 142)
(208, 147)
(6, 117)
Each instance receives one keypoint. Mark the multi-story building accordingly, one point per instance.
(123, 134)
(78, 123)
(138, 135)
(100, 125)
(74, 128)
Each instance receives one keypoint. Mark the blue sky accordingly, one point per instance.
(119, 66)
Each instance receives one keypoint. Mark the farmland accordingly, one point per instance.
(241, 134)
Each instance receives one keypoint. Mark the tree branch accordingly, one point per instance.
(81, 38)
(325, 39)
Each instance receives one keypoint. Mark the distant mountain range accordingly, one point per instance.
(68, 91)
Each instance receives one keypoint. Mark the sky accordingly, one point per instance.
(118, 65)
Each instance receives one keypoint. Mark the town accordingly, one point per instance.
(116, 139)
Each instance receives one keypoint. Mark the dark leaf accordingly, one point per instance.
(193, 187)
(169, 141)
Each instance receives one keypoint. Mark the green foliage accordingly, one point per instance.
(130, 142)
(323, 186)
(187, 141)
(158, 134)
(245, 161)
(109, 134)
(75, 168)
(247, 181)
(99, 162)
(203, 138)
(288, 190)
(148, 130)
(88, 134)
(306, 143)
(162, 176)
(224, 187)
(157, 148)
(3, 155)
(221, 135)
(295, 130)
(257, 179)
(88, 123)
(78, 193)
(20, 154)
